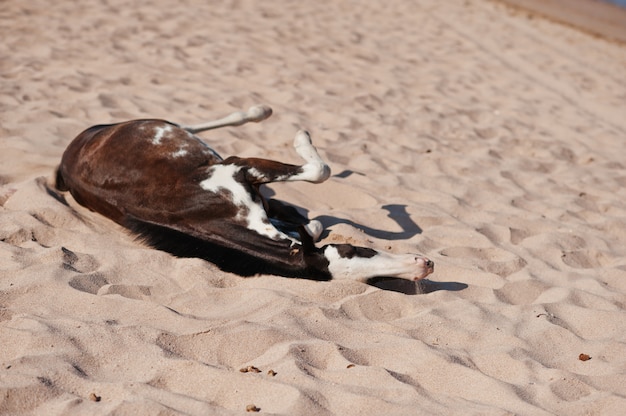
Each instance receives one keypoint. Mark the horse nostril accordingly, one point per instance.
(427, 262)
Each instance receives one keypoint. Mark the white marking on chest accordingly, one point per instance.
(159, 132)
(222, 177)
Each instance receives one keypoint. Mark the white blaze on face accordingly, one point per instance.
(405, 266)
(222, 177)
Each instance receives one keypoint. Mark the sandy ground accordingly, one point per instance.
(597, 17)
(488, 140)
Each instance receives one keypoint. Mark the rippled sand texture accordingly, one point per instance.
(487, 140)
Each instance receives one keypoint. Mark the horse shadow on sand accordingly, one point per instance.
(408, 229)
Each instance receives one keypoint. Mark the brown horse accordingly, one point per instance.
(163, 183)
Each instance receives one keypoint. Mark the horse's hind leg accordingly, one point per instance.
(315, 170)
(262, 171)
(254, 114)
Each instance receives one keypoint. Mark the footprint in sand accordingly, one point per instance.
(5, 314)
(97, 284)
(138, 292)
(511, 232)
(570, 389)
(321, 355)
(219, 345)
(377, 306)
(492, 260)
(90, 283)
(78, 262)
(583, 259)
(89, 280)
(521, 292)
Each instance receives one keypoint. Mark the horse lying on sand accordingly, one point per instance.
(164, 184)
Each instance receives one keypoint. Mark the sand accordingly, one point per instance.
(490, 140)
(597, 17)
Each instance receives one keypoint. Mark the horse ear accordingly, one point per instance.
(308, 244)
(314, 257)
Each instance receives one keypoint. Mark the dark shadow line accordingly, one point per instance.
(409, 287)
(397, 212)
(345, 173)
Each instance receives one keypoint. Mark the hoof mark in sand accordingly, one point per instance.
(522, 292)
(90, 283)
(583, 259)
(138, 292)
(570, 389)
(492, 260)
(5, 314)
(81, 263)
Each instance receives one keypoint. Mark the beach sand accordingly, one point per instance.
(490, 140)
(597, 17)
